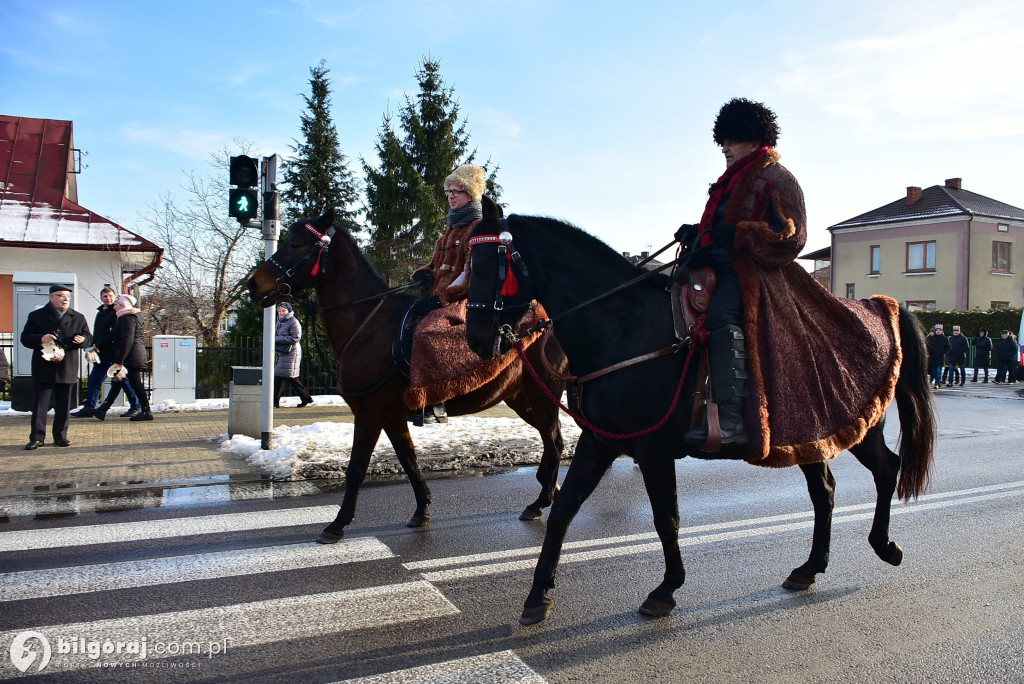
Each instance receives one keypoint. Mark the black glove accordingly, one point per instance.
(724, 234)
(424, 278)
(687, 233)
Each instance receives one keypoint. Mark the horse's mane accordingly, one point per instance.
(344, 233)
(591, 249)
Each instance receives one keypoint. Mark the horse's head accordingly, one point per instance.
(499, 290)
(296, 264)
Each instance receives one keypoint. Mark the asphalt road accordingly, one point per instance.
(242, 583)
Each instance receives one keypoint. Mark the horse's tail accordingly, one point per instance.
(917, 410)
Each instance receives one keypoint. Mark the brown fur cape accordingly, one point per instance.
(822, 369)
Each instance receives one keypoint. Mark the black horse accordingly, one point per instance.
(562, 267)
(362, 316)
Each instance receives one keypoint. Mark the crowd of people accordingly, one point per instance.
(947, 356)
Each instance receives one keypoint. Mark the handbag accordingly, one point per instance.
(283, 347)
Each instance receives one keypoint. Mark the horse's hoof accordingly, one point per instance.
(329, 537)
(895, 554)
(798, 581)
(532, 616)
(531, 514)
(656, 607)
(418, 521)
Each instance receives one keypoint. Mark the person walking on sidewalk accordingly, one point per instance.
(289, 355)
(958, 348)
(129, 358)
(103, 347)
(1006, 355)
(55, 332)
(938, 345)
(982, 353)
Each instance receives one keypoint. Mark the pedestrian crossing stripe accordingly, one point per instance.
(34, 584)
(223, 628)
(85, 535)
(504, 667)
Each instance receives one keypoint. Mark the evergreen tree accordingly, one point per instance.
(317, 177)
(405, 201)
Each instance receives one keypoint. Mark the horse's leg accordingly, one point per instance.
(660, 480)
(884, 466)
(364, 438)
(589, 464)
(821, 485)
(540, 413)
(398, 432)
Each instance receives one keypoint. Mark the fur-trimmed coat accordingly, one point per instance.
(450, 264)
(289, 331)
(822, 369)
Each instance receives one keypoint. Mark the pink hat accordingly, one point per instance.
(127, 300)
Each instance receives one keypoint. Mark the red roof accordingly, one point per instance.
(39, 198)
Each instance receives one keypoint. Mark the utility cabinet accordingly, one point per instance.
(174, 369)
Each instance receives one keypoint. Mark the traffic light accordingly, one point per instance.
(244, 200)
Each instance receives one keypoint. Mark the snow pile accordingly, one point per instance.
(323, 449)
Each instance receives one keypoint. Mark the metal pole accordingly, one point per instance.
(270, 235)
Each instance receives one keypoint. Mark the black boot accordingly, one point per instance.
(428, 414)
(101, 411)
(728, 371)
(145, 414)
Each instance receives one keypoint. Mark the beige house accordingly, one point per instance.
(938, 248)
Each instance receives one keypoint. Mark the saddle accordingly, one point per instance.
(401, 349)
(692, 290)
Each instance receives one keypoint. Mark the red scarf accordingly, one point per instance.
(721, 189)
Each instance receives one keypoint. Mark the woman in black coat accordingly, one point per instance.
(982, 353)
(129, 358)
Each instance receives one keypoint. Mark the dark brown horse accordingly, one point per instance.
(362, 317)
(562, 267)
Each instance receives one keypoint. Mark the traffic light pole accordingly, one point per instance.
(270, 235)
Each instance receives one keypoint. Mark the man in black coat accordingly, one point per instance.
(56, 323)
(103, 345)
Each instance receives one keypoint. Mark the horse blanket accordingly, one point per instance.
(444, 367)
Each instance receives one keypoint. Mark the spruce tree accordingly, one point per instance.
(316, 177)
(405, 201)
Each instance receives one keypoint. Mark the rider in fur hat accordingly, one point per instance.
(745, 205)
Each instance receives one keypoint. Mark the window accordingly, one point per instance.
(920, 256)
(1001, 257)
(876, 260)
(850, 291)
(921, 305)
(1000, 305)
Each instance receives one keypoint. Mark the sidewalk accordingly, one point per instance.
(174, 449)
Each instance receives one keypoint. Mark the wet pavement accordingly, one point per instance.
(117, 464)
(175, 460)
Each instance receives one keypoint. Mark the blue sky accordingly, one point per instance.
(599, 113)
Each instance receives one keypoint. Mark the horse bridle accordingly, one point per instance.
(320, 247)
(507, 285)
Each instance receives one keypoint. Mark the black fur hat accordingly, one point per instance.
(741, 120)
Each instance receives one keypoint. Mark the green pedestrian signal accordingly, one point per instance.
(244, 200)
(244, 203)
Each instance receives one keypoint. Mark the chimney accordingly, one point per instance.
(913, 195)
(953, 183)
(625, 255)
(644, 255)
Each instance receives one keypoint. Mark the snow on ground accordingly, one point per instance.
(323, 449)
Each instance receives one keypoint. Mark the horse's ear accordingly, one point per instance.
(491, 211)
(327, 219)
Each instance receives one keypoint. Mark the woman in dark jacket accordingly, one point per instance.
(982, 353)
(129, 358)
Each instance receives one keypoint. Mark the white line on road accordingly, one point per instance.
(624, 546)
(83, 535)
(31, 584)
(238, 625)
(504, 667)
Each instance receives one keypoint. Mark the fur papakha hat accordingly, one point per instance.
(741, 120)
(470, 178)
